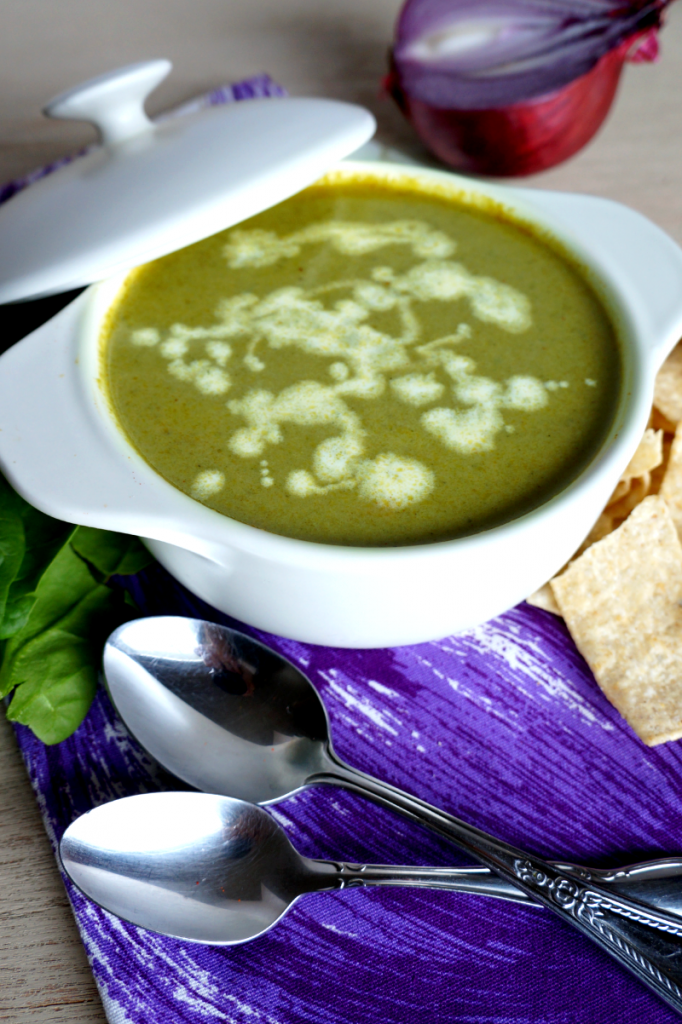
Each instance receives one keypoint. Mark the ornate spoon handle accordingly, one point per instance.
(645, 941)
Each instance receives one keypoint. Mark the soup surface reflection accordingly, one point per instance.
(364, 365)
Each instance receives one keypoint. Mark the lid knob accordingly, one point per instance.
(113, 102)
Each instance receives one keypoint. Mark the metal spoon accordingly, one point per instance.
(227, 714)
(212, 869)
(227, 869)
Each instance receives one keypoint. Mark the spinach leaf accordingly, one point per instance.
(52, 662)
(44, 537)
(56, 612)
(12, 547)
(110, 553)
(54, 704)
(29, 540)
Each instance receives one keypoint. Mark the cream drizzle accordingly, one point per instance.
(332, 322)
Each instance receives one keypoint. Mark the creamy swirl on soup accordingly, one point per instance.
(364, 365)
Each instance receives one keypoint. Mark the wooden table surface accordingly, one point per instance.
(313, 47)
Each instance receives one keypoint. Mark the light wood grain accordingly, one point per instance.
(331, 48)
(44, 972)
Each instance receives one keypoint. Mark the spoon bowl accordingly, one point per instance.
(219, 710)
(189, 865)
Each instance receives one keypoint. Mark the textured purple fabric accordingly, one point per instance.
(503, 725)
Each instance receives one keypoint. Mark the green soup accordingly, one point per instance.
(364, 365)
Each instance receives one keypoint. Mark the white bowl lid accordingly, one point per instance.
(150, 189)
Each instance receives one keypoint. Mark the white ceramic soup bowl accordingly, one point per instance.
(62, 449)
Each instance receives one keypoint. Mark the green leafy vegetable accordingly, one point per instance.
(110, 553)
(56, 612)
(35, 539)
(11, 554)
(52, 661)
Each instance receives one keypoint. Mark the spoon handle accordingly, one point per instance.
(645, 941)
(476, 880)
(642, 878)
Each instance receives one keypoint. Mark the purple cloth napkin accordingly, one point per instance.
(503, 725)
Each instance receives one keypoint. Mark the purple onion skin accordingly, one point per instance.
(537, 48)
(523, 138)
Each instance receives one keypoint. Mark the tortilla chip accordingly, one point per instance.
(668, 387)
(671, 484)
(544, 598)
(639, 488)
(601, 528)
(620, 600)
(649, 454)
(635, 484)
(658, 474)
(657, 421)
(620, 490)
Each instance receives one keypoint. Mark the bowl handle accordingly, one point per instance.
(643, 262)
(57, 452)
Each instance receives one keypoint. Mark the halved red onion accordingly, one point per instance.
(509, 87)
